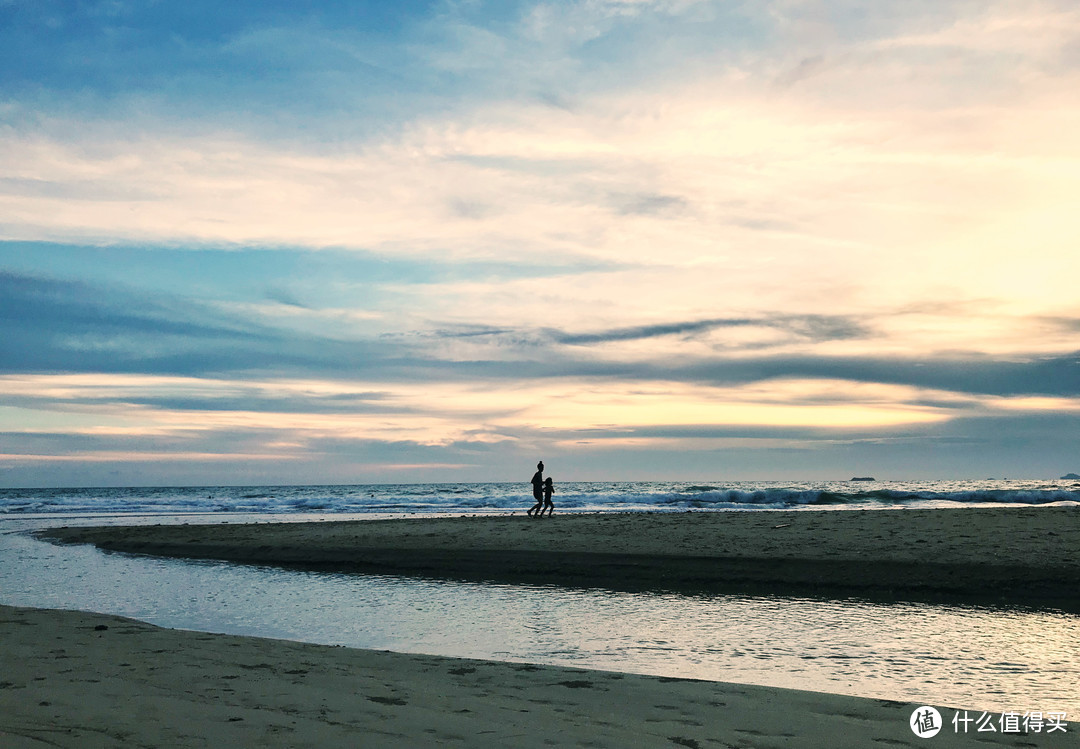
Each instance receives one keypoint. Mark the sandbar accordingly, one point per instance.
(1027, 556)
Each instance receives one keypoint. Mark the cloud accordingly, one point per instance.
(649, 204)
(814, 327)
(83, 317)
(58, 325)
(975, 374)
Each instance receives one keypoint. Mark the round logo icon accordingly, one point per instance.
(925, 722)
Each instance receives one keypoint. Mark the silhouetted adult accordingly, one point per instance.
(548, 504)
(538, 489)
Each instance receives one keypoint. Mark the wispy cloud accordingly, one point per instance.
(77, 326)
(813, 327)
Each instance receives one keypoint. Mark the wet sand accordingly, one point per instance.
(1007, 555)
(79, 680)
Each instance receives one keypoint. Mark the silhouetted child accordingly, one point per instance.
(548, 491)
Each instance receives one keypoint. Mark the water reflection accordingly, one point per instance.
(957, 656)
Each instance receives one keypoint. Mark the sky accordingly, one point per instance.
(289, 243)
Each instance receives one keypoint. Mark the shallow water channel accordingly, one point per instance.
(964, 657)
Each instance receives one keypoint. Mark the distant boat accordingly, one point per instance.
(1071, 476)
(871, 478)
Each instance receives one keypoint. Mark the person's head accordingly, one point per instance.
(547, 481)
(540, 466)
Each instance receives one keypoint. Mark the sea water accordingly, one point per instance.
(992, 659)
(596, 496)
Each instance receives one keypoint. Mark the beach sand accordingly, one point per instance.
(72, 679)
(1007, 555)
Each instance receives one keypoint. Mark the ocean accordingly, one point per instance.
(980, 658)
(593, 496)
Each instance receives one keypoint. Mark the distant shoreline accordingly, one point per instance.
(1003, 556)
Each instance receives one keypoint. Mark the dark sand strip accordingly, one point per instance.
(1006, 556)
(84, 681)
